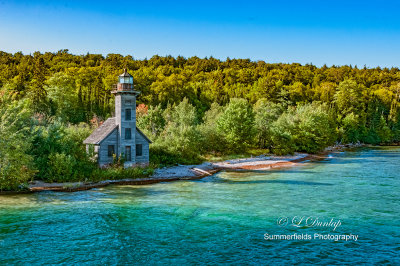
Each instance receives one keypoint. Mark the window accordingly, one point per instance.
(139, 150)
(128, 156)
(111, 150)
(128, 133)
(128, 115)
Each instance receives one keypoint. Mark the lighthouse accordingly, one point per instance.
(118, 136)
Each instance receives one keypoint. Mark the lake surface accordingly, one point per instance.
(219, 219)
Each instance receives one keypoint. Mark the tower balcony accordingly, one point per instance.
(123, 87)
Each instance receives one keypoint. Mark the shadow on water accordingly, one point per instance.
(381, 154)
(271, 171)
(289, 182)
(134, 191)
(374, 151)
(94, 195)
(348, 160)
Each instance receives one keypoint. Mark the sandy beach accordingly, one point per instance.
(262, 162)
(183, 172)
(191, 172)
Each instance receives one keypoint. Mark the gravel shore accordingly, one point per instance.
(187, 172)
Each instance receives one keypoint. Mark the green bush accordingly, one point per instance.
(352, 132)
(58, 152)
(180, 140)
(61, 168)
(266, 113)
(316, 128)
(236, 124)
(16, 165)
(307, 128)
(117, 173)
(282, 134)
(160, 155)
(212, 140)
(384, 132)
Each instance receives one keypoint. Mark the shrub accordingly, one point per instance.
(54, 142)
(117, 173)
(15, 164)
(237, 124)
(316, 128)
(282, 134)
(61, 168)
(307, 128)
(181, 137)
(265, 114)
(213, 141)
(160, 155)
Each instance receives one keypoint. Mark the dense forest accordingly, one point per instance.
(189, 108)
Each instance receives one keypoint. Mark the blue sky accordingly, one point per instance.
(319, 32)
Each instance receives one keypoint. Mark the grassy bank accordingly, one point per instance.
(117, 173)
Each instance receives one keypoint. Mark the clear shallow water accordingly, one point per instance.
(219, 219)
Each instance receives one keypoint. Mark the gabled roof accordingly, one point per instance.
(101, 132)
(144, 136)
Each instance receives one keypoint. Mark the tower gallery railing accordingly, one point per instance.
(123, 87)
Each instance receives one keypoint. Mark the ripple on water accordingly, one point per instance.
(219, 219)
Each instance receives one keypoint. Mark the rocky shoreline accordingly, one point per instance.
(193, 172)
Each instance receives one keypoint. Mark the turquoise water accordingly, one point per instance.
(219, 219)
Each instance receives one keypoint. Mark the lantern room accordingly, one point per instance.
(125, 82)
(126, 78)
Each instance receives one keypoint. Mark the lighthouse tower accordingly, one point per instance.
(119, 136)
(125, 117)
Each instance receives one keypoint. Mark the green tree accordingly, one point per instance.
(181, 135)
(62, 91)
(153, 122)
(349, 98)
(236, 123)
(350, 130)
(38, 93)
(307, 128)
(54, 142)
(266, 113)
(15, 164)
(316, 128)
(212, 140)
(384, 132)
(282, 139)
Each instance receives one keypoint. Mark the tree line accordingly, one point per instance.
(189, 107)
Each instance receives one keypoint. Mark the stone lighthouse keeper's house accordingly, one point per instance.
(119, 135)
